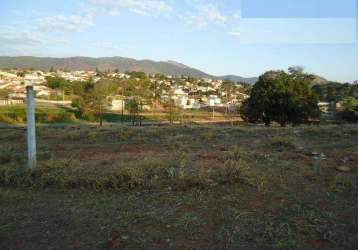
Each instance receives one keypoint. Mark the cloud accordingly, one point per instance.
(62, 23)
(11, 36)
(15, 40)
(140, 7)
(203, 15)
(92, 8)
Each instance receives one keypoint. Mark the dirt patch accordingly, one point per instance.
(206, 156)
(349, 156)
(186, 208)
(257, 202)
(114, 152)
(295, 156)
(320, 244)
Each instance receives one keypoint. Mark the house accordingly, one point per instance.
(43, 91)
(7, 75)
(180, 98)
(35, 78)
(214, 100)
(324, 107)
(118, 103)
(339, 105)
(4, 85)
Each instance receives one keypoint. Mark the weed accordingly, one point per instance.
(282, 143)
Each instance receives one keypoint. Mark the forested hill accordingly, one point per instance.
(112, 63)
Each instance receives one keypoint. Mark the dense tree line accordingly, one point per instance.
(344, 94)
(335, 92)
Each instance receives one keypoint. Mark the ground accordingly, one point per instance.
(48, 113)
(179, 187)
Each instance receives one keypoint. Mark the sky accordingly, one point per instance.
(220, 37)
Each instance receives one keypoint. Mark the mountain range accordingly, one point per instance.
(112, 63)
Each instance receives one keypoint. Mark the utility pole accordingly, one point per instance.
(31, 127)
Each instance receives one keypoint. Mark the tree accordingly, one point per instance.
(133, 107)
(281, 97)
(229, 89)
(138, 89)
(336, 92)
(57, 83)
(138, 74)
(4, 94)
(349, 110)
(349, 114)
(245, 88)
(172, 110)
(93, 98)
(296, 70)
(98, 72)
(100, 97)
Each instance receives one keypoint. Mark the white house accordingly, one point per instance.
(7, 75)
(35, 78)
(42, 91)
(118, 103)
(324, 107)
(213, 100)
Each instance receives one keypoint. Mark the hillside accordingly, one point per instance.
(111, 63)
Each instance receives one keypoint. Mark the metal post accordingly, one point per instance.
(31, 127)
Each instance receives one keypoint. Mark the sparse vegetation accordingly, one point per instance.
(181, 187)
(44, 114)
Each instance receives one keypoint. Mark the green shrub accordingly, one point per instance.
(282, 143)
(237, 154)
(7, 119)
(349, 115)
(5, 158)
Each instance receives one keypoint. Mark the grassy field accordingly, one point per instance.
(52, 113)
(181, 187)
(45, 113)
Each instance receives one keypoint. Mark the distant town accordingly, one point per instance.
(185, 92)
(88, 95)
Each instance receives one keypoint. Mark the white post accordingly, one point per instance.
(31, 127)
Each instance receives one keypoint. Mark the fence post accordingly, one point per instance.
(31, 127)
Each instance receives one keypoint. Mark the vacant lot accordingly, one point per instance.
(47, 113)
(181, 187)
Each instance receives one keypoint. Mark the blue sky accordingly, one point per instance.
(220, 37)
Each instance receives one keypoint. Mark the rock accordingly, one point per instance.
(343, 169)
(319, 156)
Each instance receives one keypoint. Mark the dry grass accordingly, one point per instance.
(181, 187)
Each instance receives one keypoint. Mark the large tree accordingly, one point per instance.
(281, 97)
